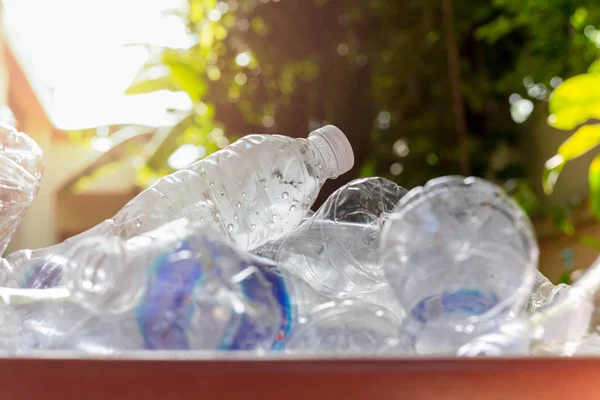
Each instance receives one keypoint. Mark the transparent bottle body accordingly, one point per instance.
(461, 257)
(21, 170)
(252, 191)
(336, 249)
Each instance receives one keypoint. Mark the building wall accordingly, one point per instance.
(56, 214)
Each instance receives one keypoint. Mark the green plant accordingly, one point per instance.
(385, 71)
(575, 106)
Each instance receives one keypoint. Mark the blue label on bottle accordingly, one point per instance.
(164, 315)
(248, 335)
(460, 303)
(165, 312)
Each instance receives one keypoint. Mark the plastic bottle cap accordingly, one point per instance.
(340, 145)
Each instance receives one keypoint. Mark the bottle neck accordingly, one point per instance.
(106, 274)
(327, 162)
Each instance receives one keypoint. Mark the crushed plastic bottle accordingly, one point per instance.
(461, 257)
(543, 292)
(253, 191)
(336, 250)
(563, 325)
(21, 170)
(178, 287)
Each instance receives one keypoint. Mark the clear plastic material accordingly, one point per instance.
(21, 169)
(543, 292)
(461, 257)
(345, 327)
(565, 324)
(178, 287)
(253, 191)
(336, 249)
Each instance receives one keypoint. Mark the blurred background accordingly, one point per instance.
(121, 92)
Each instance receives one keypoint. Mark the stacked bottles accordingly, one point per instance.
(336, 250)
(182, 287)
(21, 169)
(253, 191)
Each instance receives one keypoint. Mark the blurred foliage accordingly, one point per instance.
(575, 106)
(378, 70)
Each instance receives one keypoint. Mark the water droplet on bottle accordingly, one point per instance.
(201, 219)
(247, 171)
(275, 217)
(243, 194)
(252, 226)
(138, 223)
(292, 208)
(222, 194)
(211, 184)
(203, 174)
(235, 216)
(320, 166)
(170, 208)
(285, 195)
(230, 227)
(266, 188)
(280, 230)
(164, 197)
(277, 199)
(239, 205)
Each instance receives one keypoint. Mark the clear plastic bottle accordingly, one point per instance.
(336, 249)
(21, 170)
(178, 287)
(253, 191)
(461, 257)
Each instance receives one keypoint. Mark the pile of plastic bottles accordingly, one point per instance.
(227, 255)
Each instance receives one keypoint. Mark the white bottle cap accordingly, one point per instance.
(342, 150)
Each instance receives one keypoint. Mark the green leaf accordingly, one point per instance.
(595, 67)
(552, 171)
(186, 78)
(150, 85)
(583, 140)
(594, 179)
(575, 101)
(495, 30)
